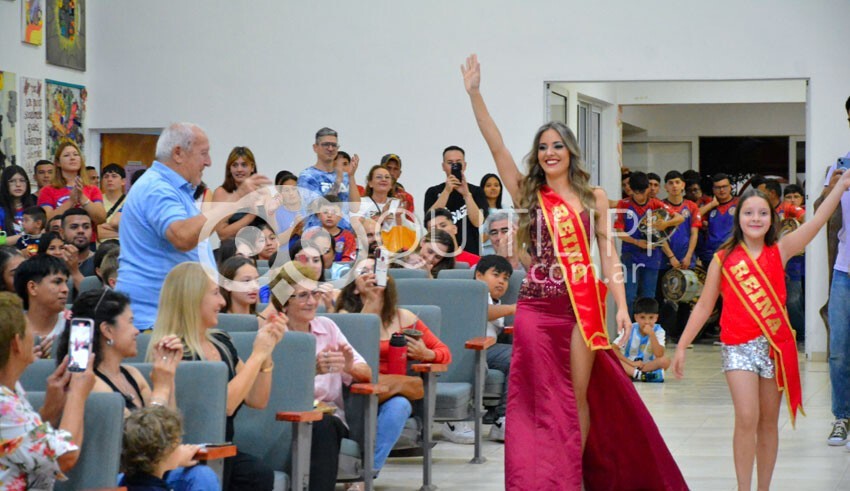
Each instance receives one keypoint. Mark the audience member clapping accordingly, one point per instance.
(70, 187)
(42, 283)
(295, 293)
(188, 308)
(113, 341)
(34, 453)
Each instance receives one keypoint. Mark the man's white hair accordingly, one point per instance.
(497, 216)
(176, 135)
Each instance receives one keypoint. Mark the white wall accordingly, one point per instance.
(385, 73)
(695, 120)
(26, 60)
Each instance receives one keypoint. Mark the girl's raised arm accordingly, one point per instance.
(794, 243)
(508, 170)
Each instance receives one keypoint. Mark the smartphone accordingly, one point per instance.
(394, 204)
(457, 171)
(79, 343)
(381, 267)
(843, 163)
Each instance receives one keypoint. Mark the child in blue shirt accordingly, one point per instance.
(643, 357)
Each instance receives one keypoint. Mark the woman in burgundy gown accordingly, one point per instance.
(574, 420)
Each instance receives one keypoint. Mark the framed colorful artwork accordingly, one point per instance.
(66, 33)
(65, 114)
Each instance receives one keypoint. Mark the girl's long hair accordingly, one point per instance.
(228, 270)
(351, 301)
(501, 188)
(180, 310)
(7, 201)
(58, 179)
(772, 235)
(535, 178)
(229, 183)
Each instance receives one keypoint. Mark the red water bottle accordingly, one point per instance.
(397, 358)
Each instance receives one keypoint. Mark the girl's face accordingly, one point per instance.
(381, 180)
(70, 161)
(17, 185)
(211, 304)
(312, 258)
(271, 244)
(123, 334)
(9, 273)
(433, 252)
(755, 217)
(326, 247)
(492, 188)
(240, 169)
(553, 155)
(246, 275)
(55, 248)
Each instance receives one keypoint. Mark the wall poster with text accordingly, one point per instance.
(32, 123)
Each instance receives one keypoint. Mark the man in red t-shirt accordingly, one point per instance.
(392, 162)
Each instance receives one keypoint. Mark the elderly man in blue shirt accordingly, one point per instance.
(161, 223)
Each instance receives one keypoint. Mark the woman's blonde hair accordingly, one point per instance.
(180, 309)
(58, 179)
(535, 178)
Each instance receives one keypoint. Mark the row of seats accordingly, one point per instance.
(455, 309)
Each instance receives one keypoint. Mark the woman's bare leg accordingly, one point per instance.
(744, 387)
(581, 363)
(768, 431)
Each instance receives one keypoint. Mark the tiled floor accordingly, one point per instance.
(696, 419)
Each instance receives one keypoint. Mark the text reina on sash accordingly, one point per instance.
(570, 243)
(756, 293)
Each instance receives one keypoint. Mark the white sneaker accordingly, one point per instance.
(497, 431)
(459, 432)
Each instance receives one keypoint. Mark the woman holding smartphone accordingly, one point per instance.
(573, 413)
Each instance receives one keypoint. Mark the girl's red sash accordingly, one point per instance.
(572, 249)
(755, 292)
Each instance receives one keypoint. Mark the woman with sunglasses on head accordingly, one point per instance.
(113, 341)
(241, 165)
(188, 308)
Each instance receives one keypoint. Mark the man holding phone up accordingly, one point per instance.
(465, 201)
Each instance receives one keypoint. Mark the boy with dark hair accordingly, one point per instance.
(441, 219)
(643, 357)
(678, 250)
(329, 215)
(639, 257)
(43, 173)
(654, 184)
(718, 217)
(42, 283)
(773, 190)
(495, 271)
(32, 224)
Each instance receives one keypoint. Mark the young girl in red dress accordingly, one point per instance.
(759, 346)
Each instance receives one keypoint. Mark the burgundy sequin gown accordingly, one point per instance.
(624, 449)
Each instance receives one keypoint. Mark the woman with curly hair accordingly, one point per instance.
(556, 437)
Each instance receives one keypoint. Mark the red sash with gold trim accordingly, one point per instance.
(572, 249)
(756, 293)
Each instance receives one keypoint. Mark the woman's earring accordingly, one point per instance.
(109, 342)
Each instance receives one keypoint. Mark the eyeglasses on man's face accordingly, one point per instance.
(329, 145)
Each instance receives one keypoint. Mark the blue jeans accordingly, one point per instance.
(499, 358)
(196, 478)
(796, 305)
(392, 415)
(640, 281)
(839, 343)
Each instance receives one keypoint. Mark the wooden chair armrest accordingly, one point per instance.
(299, 416)
(368, 389)
(215, 453)
(429, 367)
(481, 343)
(508, 330)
